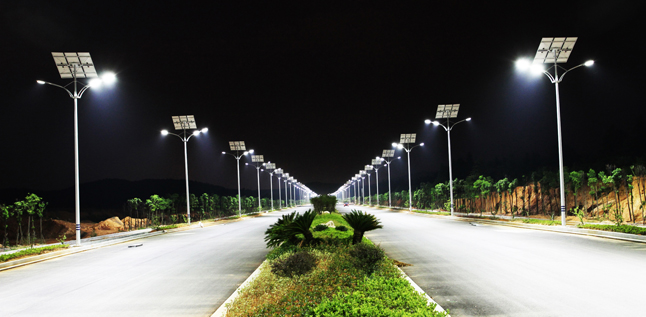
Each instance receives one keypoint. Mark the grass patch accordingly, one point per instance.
(167, 227)
(539, 221)
(615, 228)
(441, 213)
(341, 284)
(31, 252)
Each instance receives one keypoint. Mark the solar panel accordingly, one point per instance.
(72, 64)
(279, 171)
(270, 166)
(184, 122)
(447, 111)
(554, 48)
(407, 138)
(257, 158)
(368, 168)
(388, 153)
(237, 146)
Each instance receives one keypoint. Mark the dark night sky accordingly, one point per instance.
(319, 88)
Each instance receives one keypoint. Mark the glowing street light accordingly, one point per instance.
(258, 160)
(77, 65)
(554, 50)
(376, 163)
(183, 123)
(448, 112)
(388, 156)
(238, 146)
(405, 142)
(270, 167)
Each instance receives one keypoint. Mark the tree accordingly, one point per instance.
(615, 179)
(511, 188)
(577, 179)
(157, 205)
(501, 187)
(593, 183)
(6, 211)
(361, 223)
(483, 184)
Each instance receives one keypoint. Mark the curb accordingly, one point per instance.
(429, 300)
(222, 310)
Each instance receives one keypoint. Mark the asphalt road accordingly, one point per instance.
(188, 273)
(488, 270)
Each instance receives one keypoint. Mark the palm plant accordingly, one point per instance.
(286, 229)
(361, 222)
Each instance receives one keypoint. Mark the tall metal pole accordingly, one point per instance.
(271, 189)
(448, 133)
(369, 194)
(188, 198)
(280, 199)
(389, 200)
(77, 195)
(239, 194)
(410, 193)
(558, 123)
(258, 174)
(377, 182)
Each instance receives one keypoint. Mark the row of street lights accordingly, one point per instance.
(551, 50)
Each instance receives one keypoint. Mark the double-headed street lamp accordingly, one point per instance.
(554, 50)
(388, 156)
(367, 170)
(77, 65)
(405, 142)
(376, 163)
(270, 167)
(183, 123)
(257, 161)
(279, 172)
(448, 112)
(238, 146)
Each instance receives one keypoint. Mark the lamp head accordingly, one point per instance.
(164, 132)
(589, 63)
(421, 144)
(40, 82)
(427, 121)
(204, 130)
(224, 152)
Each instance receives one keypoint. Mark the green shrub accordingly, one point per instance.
(341, 228)
(366, 256)
(621, 228)
(361, 222)
(320, 227)
(282, 249)
(295, 264)
(378, 296)
(31, 251)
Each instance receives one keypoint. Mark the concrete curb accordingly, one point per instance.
(222, 310)
(438, 308)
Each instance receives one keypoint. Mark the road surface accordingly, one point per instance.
(485, 270)
(187, 273)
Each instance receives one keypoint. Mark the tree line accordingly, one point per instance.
(617, 194)
(21, 213)
(171, 209)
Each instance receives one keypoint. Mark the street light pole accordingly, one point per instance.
(183, 123)
(74, 66)
(555, 50)
(408, 139)
(448, 127)
(238, 146)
